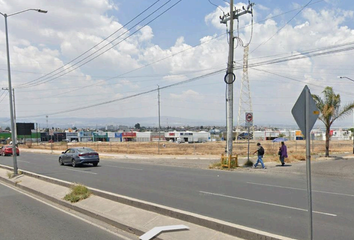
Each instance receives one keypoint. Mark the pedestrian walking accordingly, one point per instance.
(283, 153)
(260, 153)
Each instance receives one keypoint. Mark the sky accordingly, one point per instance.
(107, 58)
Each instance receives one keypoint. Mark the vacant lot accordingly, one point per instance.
(296, 149)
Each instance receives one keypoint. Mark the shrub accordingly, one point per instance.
(78, 192)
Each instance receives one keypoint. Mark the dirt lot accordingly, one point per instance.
(296, 149)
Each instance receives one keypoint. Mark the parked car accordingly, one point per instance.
(244, 135)
(78, 156)
(7, 151)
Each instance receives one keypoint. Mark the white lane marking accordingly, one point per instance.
(300, 189)
(139, 169)
(80, 171)
(23, 161)
(266, 203)
(62, 210)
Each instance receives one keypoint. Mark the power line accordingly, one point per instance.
(62, 67)
(154, 61)
(3, 95)
(282, 26)
(28, 83)
(66, 71)
(172, 55)
(254, 65)
(128, 97)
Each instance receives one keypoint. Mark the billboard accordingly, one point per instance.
(24, 128)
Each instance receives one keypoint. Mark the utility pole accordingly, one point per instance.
(230, 76)
(158, 103)
(15, 122)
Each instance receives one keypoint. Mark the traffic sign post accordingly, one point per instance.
(249, 123)
(305, 113)
(249, 119)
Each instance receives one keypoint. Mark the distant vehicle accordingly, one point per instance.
(244, 135)
(7, 151)
(78, 156)
(74, 141)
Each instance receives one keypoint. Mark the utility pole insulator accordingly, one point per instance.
(237, 13)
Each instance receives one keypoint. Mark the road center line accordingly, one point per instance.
(266, 203)
(80, 171)
(139, 169)
(300, 189)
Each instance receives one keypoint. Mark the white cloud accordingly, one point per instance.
(174, 78)
(146, 34)
(40, 43)
(186, 96)
(128, 83)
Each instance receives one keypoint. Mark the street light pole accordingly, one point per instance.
(353, 111)
(13, 124)
(13, 136)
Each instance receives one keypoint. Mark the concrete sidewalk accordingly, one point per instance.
(133, 215)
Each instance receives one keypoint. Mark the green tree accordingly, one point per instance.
(7, 128)
(331, 110)
(137, 126)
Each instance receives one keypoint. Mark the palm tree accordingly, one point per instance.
(330, 110)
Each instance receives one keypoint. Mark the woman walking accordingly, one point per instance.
(283, 153)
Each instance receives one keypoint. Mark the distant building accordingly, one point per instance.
(187, 136)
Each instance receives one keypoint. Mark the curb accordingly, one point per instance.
(208, 222)
(67, 204)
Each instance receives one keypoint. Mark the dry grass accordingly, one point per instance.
(10, 174)
(296, 149)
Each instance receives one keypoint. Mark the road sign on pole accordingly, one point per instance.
(306, 113)
(299, 112)
(248, 119)
(51, 132)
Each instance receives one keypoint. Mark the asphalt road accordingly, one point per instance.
(267, 200)
(23, 217)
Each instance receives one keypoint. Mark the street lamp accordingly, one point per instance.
(13, 123)
(353, 111)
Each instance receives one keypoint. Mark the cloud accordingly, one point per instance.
(128, 83)
(188, 95)
(175, 78)
(41, 43)
(146, 34)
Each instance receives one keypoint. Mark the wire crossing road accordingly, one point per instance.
(267, 200)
